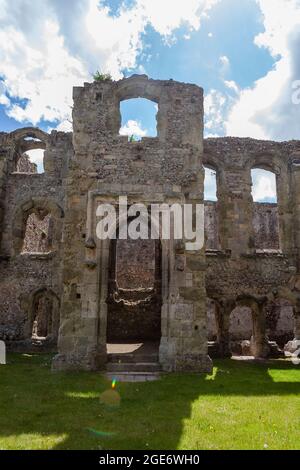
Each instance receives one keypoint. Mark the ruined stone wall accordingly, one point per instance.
(211, 226)
(258, 258)
(26, 195)
(252, 250)
(156, 170)
(265, 225)
(135, 264)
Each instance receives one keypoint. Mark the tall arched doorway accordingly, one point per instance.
(134, 299)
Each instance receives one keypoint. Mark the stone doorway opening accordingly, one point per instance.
(44, 321)
(134, 303)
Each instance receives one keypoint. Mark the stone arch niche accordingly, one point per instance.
(42, 210)
(25, 140)
(43, 316)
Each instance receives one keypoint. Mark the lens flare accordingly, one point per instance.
(113, 384)
(100, 433)
(110, 398)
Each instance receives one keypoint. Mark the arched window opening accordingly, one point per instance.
(44, 316)
(265, 214)
(211, 209)
(42, 321)
(138, 118)
(210, 184)
(241, 331)
(263, 186)
(30, 156)
(38, 233)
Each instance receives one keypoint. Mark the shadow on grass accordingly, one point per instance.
(41, 409)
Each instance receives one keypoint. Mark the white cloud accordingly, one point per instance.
(4, 100)
(37, 156)
(224, 60)
(48, 47)
(167, 15)
(265, 110)
(133, 128)
(232, 85)
(215, 105)
(263, 186)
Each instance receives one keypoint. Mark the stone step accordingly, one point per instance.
(129, 358)
(132, 367)
(133, 376)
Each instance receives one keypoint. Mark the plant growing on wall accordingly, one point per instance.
(101, 77)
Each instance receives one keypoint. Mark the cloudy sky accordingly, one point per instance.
(244, 53)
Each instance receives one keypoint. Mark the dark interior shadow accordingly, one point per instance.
(33, 400)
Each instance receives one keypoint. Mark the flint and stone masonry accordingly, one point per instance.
(59, 282)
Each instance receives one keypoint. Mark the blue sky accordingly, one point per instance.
(243, 53)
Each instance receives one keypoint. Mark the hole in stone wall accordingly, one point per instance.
(263, 186)
(211, 211)
(30, 156)
(44, 316)
(31, 161)
(210, 184)
(265, 213)
(138, 118)
(38, 233)
(134, 299)
(42, 319)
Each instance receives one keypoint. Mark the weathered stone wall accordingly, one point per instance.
(258, 258)
(265, 224)
(211, 225)
(135, 264)
(26, 196)
(156, 170)
(253, 250)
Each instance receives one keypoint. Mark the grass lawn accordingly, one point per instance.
(241, 406)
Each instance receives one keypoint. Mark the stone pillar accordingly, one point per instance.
(297, 324)
(259, 340)
(2, 353)
(295, 170)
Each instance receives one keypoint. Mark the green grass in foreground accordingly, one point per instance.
(241, 406)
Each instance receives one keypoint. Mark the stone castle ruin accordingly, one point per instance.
(62, 287)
